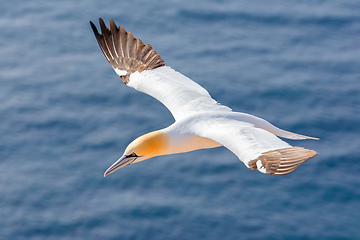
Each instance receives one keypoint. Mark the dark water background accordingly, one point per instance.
(65, 117)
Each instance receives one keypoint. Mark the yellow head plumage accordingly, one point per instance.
(149, 145)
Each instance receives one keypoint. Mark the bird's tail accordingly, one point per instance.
(261, 123)
(290, 135)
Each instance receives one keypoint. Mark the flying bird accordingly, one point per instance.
(200, 121)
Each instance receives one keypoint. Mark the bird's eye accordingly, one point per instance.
(133, 155)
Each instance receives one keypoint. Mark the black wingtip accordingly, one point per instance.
(94, 28)
(102, 25)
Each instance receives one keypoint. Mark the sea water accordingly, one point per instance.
(65, 117)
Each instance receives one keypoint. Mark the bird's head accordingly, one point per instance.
(147, 146)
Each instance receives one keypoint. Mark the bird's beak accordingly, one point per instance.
(121, 162)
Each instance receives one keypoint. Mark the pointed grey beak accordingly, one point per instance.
(121, 162)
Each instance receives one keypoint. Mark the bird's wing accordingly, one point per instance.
(140, 67)
(256, 147)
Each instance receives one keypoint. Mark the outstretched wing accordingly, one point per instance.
(250, 138)
(139, 66)
(256, 147)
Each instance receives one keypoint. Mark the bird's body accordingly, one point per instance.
(200, 122)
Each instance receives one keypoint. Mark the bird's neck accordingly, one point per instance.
(187, 143)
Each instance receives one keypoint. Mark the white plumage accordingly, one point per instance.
(200, 122)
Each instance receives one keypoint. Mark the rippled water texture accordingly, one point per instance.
(65, 117)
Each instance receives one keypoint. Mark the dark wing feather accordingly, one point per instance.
(124, 52)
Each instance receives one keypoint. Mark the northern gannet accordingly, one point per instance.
(200, 122)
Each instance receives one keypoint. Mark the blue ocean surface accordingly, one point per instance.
(65, 117)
